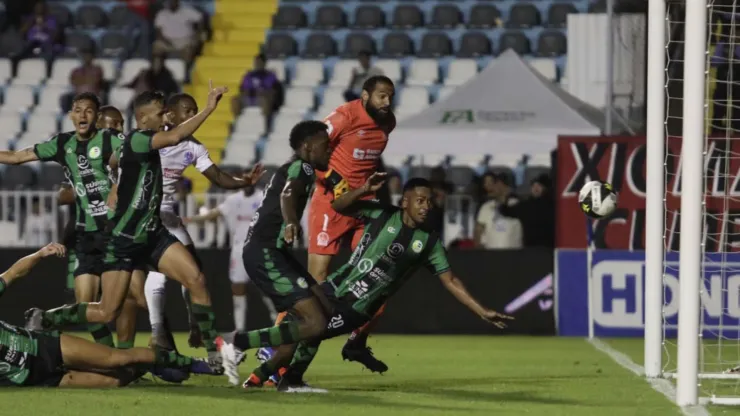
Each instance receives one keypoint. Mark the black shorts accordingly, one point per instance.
(123, 254)
(47, 367)
(344, 318)
(90, 250)
(278, 275)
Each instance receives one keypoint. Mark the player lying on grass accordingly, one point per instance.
(51, 359)
(393, 246)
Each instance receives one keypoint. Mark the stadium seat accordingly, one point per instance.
(355, 43)
(90, 17)
(597, 6)
(49, 98)
(279, 46)
(278, 68)
(413, 99)
(391, 68)
(545, 67)
(249, 125)
(397, 45)
(120, 97)
(130, 69)
(423, 72)
(557, 15)
(407, 17)
(61, 13)
(368, 17)
(61, 70)
(51, 175)
(523, 16)
(330, 17)
(177, 67)
(551, 43)
(461, 71)
(444, 92)
(121, 17)
(30, 72)
(420, 172)
(76, 42)
(115, 45)
(289, 17)
(484, 16)
(474, 45)
(18, 177)
(11, 122)
(41, 124)
(298, 100)
(308, 73)
(342, 73)
(319, 45)
(515, 41)
(109, 68)
(18, 98)
(67, 125)
(5, 71)
(435, 45)
(460, 176)
(238, 152)
(333, 98)
(276, 152)
(11, 43)
(445, 16)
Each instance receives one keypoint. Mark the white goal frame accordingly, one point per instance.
(692, 197)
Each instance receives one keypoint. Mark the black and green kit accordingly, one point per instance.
(85, 164)
(29, 358)
(137, 235)
(267, 259)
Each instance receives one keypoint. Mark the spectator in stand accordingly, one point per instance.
(140, 7)
(536, 213)
(493, 230)
(179, 30)
(87, 77)
(43, 37)
(441, 188)
(395, 188)
(38, 226)
(155, 78)
(359, 75)
(260, 88)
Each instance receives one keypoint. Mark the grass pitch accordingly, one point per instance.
(429, 375)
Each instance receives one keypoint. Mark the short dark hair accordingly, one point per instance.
(148, 97)
(261, 57)
(87, 96)
(110, 111)
(303, 131)
(416, 183)
(175, 99)
(371, 83)
(364, 54)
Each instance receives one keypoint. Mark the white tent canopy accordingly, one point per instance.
(507, 108)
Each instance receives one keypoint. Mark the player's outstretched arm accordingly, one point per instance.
(18, 157)
(172, 137)
(211, 215)
(226, 181)
(345, 202)
(289, 201)
(66, 196)
(24, 265)
(456, 287)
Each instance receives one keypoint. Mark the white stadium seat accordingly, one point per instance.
(109, 68)
(5, 71)
(423, 72)
(120, 97)
(444, 92)
(546, 68)
(277, 67)
(61, 71)
(130, 69)
(308, 73)
(18, 97)
(250, 124)
(391, 68)
(298, 99)
(49, 98)
(333, 98)
(276, 152)
(41, 124)
(238, 151)
(67, 124)
(414, 97)
(342, 73)
(30, 72)
(177, 67)
(461, 71)
(11, 123)
(284, 122)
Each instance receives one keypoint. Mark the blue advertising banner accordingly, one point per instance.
(618, 287)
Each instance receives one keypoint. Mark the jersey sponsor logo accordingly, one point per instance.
(80, 190)
(142, 190)
(84, 166)
(94, 152)
(96, 208)
(379, 275)
(322, 239)
(366, 154)
(365, 265)
(308, 169)
(395, 250)
(170, 173)
(417, 246)
(302, 283)
(359, 289)
(99, 186)
(391, 230)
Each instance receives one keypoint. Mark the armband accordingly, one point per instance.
(335, 182)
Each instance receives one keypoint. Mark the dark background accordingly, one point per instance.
(422, 306)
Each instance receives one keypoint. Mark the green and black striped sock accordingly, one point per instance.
(303, 356)
(125, 345)
(171, 359)
(66, 315)
(285, 333)
(101, 334)
(205, 317)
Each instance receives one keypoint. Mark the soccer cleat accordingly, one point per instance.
(363, 355)
(273, 381)
(230, 359)
(264, 354)
(170, 375)
(34, 319)
(733, 370)
(202, 367)
(195, 338)
(252, 382)
(241, 355)
(215, 361)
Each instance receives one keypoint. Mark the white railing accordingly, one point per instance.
(21, 227)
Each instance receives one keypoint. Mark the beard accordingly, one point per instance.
(375, 114)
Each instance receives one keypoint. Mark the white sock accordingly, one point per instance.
(240, 312)
(155, 299)
(270, 308)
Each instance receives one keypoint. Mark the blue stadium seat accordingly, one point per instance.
(76, 42)
(515, 40)
(330, 17)
(368, 17)
(473, 45)
(557, 15)
(484, 16)
(396, 45)
(61, 13)
(523, 16)
(407, 17)
(280, 46)
(115, 45)
(289, 17)
(355, 43)
(551, 43)
(90, 16)
(319, 46)
(435, 45)
(445, 16)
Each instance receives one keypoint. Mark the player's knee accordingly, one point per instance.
(196, 282)
(239, 289)
(109, 313)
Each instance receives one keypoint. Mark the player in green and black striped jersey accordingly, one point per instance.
(33, 358)
(137, 236)
(395, 244)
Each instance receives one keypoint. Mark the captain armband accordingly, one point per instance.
(335, 182)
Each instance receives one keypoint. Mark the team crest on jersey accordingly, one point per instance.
(322, 240)
(391, 230)
(395, 250)
(94, 152)
(308, 169)
(189, 158)
(302, 283)
(82, 162)
(417, 246)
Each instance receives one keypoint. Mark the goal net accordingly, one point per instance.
(705, 213)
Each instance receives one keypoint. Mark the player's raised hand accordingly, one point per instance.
(254, 175)
(53, 249)
(292, 233)
(215, 94)
(496, 318)
(375, 181)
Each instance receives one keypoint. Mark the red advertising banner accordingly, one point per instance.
(621, 162)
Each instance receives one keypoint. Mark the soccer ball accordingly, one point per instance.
(597, 199)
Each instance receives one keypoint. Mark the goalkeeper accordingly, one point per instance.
(50, 359)
(394, 245)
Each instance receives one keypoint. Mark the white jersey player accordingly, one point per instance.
(181, 107)
(237, 211)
